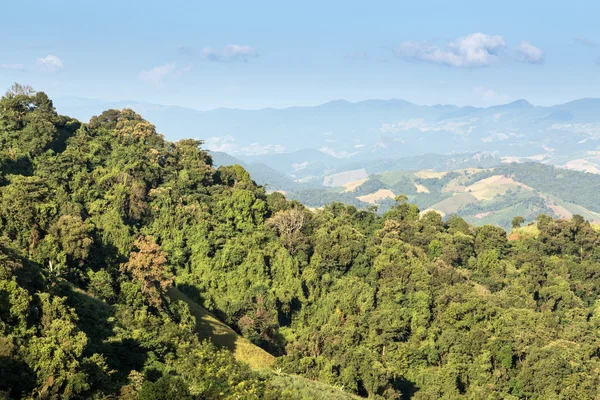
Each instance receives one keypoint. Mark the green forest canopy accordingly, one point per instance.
(99, 220)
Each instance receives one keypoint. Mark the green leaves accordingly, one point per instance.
(97, 220)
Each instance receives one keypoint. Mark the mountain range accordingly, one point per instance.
(375, 129)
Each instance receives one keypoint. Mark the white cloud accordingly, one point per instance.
(50, 63)
(13, 67)
(490, 97)
(495, 136)
(454, 126)
(221, 143)
(474, 50)
(528, 53)
(158, 74)
(300, 166)
(228, 145)
(336, 154)
(257, 149)
(231, 52)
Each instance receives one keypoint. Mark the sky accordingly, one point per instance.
(250, 55)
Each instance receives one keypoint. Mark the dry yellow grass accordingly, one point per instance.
(421, 188)
(488, 188)
(373, 198)
(427, 174)
(342, 178)
(350, 186)
(582, 165)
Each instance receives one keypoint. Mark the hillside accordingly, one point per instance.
(123, 256)
(479, 195)
(210, 328)
(87, 303)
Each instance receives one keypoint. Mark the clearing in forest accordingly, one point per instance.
(381, 194)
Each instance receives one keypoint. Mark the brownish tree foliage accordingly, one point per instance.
(148, 265)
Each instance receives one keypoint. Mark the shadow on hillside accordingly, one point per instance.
(406, 387)
(96, 321)
(208, 326)
(17, 377)
(195, 295)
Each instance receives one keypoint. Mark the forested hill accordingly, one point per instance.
(105, 225)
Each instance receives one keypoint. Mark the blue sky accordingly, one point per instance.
(258, 54)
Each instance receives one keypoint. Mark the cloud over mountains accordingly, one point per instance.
(50, 63)
(474, 50)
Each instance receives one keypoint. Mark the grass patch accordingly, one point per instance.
(379, 195)
(391, 178)
(428, 174)
(305, 389)
(453, 203)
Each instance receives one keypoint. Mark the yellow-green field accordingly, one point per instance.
(427, 174)
(350, 186)
(453, 203)
(343, 178)
(209, 327)
(307, 389)
(379, 195)
(489, 188)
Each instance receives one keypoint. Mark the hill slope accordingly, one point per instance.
(486, 196)
(386, 306)
(209, 327)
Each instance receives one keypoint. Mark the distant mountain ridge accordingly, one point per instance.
(374, 128)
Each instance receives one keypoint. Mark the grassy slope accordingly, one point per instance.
(452, 204)
(503, 216)
(209, 327)
(576, 209)
(393, 177)
(307, 389)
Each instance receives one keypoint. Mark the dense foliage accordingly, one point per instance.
(97, 220)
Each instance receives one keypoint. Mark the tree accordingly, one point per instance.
(73, 236)
(289, 224)
(517, 221)
(397, 305)
(148, 266)
(165, 388)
